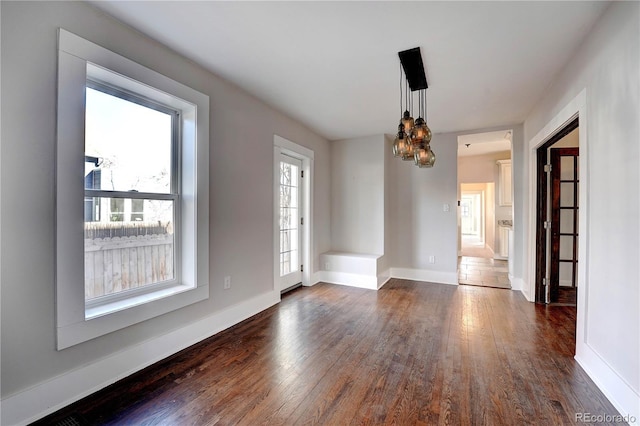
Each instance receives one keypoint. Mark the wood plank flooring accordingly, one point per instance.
(411, 353)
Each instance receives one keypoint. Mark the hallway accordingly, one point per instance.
(483, 272)
(476, 265)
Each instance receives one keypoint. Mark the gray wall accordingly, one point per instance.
(241, 198)
(357, 195)
(383, 205)
(419, 227)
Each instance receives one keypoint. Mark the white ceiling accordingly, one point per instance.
(484, 143)
(334, 65)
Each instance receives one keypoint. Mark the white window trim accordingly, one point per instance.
(74, 53)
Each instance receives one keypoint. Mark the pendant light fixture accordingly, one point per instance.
(401, 145)
(413, 141)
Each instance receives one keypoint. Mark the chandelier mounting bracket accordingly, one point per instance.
(413, 66)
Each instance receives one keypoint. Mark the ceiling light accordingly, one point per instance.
(414, 136)
(425, 157)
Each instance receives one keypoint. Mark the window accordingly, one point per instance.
(127, 169)
(133, 140)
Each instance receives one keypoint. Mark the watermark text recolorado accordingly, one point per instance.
(604, 418)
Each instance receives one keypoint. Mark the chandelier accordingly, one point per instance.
(413, 141)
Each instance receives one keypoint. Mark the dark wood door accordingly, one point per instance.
(564, 225)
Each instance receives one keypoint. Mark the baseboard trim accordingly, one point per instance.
(440, 277)
(58, 392)
(376, 283)
(517, 284)
(623, 397)
(352, 280)
(520, 285)
(383, 278)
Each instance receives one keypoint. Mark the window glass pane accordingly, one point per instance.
(566, 274)
(289, 218)
(127, 145)
(285, 263)
(122, 252)
(566, 194)
(116, 211)
(566, 168)
(137, 210)
(566, 247)
(285, 173)
(566, 221)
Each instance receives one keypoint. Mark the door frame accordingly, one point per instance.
(576, 107)
(293, 278)
(292, 149)
(542, 211)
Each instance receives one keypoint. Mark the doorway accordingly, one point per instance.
(477, 215)
(292, 215)
(472, 215)
(291, 219)
(557, 237)
(480, 260)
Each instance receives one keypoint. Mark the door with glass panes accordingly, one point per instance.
(564, 225)
(291, 221)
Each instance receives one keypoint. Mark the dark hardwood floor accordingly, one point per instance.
(567, 296)
(411, 353)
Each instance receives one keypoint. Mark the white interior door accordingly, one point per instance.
(291, 220)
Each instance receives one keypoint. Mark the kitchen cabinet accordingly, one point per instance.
(505, 197)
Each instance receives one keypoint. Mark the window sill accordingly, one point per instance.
(130, 302)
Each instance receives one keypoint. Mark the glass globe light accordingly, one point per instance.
(424, 156)
(420, 133)
(407, 122)
(410, 152)
(401, 142)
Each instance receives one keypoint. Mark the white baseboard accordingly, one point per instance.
(520, 285)
(375, 283)
(315, 278)
(440, 277)
(49, 396)
(348, 279)
(517, 284)
(623, 397)
(383, 278)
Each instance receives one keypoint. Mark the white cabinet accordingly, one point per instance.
(504, 241)
(510, 252)
(505, 197)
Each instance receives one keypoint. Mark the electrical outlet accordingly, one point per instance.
(446, 208)
(432, 259)
(327, 266)
(227, 282)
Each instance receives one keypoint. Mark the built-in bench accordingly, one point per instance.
(353, 269)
